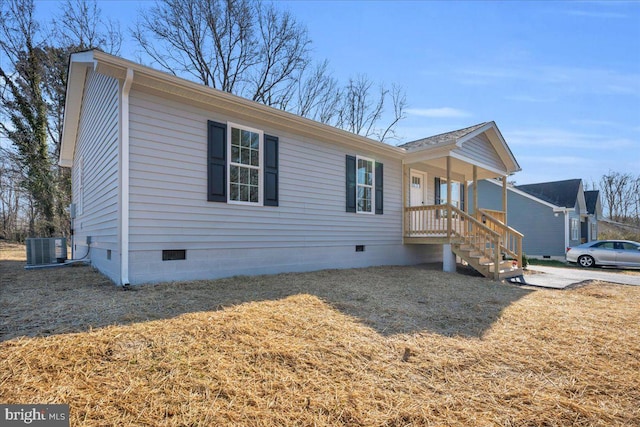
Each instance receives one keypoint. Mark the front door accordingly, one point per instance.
(418, 186)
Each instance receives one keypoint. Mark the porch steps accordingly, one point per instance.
(483, 265)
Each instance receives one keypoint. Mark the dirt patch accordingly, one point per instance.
(380, 346)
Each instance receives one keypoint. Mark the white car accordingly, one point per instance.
(623, 253)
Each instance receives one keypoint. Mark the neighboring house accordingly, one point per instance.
(551, 215)
(173, 180)
(589, 228)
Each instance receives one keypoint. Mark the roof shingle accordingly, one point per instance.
(591, 198)
(559, 193)
(441, 138)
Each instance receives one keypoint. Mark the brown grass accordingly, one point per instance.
(381, 346)
(12, 251)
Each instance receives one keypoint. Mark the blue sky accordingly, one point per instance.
(560, 79)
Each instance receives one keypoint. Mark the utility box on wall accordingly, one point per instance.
(43, 251)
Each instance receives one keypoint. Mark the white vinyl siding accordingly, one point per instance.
(543, 229)
(95, 173)
(79, 176)
(308, 230)
(479, 148)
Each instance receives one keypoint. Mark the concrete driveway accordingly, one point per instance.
(559, 278)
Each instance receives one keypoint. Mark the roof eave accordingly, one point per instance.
(79, 63)
(496, 139)
(500, 144)
(145, 76)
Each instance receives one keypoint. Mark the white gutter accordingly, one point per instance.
(124, 179)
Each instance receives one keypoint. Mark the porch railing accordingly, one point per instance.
(431, 221)
(498, 215)
(487, 234)
(510, 239)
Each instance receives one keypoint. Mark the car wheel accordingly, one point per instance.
(586, 261)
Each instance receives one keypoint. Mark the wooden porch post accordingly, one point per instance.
(504, 198)
(475, 190)
(449, 196)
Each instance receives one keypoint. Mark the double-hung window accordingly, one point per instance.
(245, 164)
(365, 185)
(575, 235)
(242, 165)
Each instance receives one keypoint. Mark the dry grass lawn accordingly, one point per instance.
(393, 346)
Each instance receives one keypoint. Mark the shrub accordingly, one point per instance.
(525, 261)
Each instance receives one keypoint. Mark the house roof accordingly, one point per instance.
(591, 198)
(235, 106)
(443, 138)
(456, 144)
(515, 190)
(225, 102)
(560, 193)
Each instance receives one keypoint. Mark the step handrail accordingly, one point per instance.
(490, 240)
(500, 223)
(474, 221)
(511, 248)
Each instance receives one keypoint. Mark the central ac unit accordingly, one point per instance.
(43, 251)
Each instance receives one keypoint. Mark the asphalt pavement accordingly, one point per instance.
(559, 278)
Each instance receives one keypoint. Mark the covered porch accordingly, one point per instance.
(436, 175)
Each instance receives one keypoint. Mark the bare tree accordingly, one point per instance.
(32, 97)
(11, 195)
(620, 193)
(23, 105)
(83, 26)
(635, 200)
(238, 46)
(318, 94)
(257, 51)
(283, 52)
(363, 106)
(399, 103)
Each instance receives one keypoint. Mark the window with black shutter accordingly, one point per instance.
(216, 162)
(270, 170)
(242, 165)
(364, 185)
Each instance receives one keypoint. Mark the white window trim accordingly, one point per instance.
(575, 224)
(373, 185)
(260, 202)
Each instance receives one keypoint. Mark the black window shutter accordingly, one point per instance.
(216, 162)
(270, 170)
(462, 195)
(351, 183)
(379, 188)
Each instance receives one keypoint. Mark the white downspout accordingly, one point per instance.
(124, 171)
